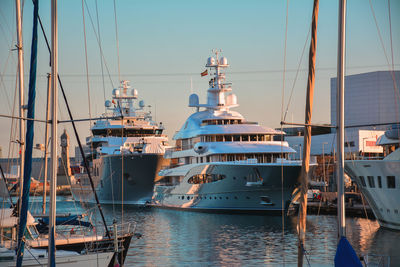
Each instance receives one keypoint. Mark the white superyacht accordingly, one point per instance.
(379, 179)
(126, 153)
(224, 163)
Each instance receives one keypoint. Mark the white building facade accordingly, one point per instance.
(356, 142)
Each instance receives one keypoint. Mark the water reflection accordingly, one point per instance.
(176, 238)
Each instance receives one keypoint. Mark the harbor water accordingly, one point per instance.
(181, 238)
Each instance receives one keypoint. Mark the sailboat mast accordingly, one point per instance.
(54, 98)
(305, 168)
(21, 95)
(340, 117)
(46, 138)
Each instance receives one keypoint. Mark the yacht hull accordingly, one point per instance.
(384, 201)
(127, 179)
(255, 188)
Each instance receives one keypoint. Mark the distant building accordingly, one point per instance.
(370, 98)
(357, 143)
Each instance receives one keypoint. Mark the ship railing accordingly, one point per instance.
(368, 158)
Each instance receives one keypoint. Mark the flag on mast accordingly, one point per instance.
(204, 73)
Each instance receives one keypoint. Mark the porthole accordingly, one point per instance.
(183, 197)
(220, 197)
(210, 197)
(188, 197)
(247, 197)
(234, 178)
(236, 197)
(215, 197)
(227, 197)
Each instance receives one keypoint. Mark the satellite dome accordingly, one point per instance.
(134, 93)
(193, 100)
(115, 92)
(107, 103)
(210, 61)
(231, 99)
(223, 61)
(141, 103)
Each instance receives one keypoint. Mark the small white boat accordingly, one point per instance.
(38, 257)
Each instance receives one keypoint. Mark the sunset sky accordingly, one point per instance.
(163, 45)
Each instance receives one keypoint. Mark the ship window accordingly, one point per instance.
(236, 138)
(188, 197)
(245, 138)
(391, 182)
(371, 181)
(228, 138)
(219, 138)
(253, 137)
(236, 197)
(220, 197)
(396, 211)
(215, 197)
(349, 144)
(205, 178)
(379, 182)
(362, 181)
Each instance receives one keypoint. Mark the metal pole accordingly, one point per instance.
(21, 96)
(46, 138)
(340, 118)
(54, 95)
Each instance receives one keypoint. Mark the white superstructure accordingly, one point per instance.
(221, 161)
(132, 129)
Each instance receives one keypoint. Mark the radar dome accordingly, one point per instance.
(223, 61)
(134, 93)
(210, 61)
(231, 100)
(141, 103)
(193, 100)
(107, 103)
(115, 92)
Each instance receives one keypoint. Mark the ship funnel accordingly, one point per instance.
(193, 100)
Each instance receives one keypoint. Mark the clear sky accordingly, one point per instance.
(165, 44)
